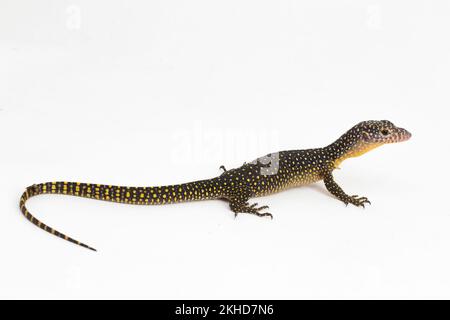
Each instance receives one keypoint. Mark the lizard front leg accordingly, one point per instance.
(337, 191)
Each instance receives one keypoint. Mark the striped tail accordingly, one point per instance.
(198, 190)
(30, 192)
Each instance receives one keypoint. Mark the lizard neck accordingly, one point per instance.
(348, 147)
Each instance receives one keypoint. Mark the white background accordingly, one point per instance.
(161, 92)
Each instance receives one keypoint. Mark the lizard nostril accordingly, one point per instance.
(407, 135)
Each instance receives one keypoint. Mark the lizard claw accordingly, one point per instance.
(256, 211)
(253, 205)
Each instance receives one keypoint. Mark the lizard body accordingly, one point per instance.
(266, 175)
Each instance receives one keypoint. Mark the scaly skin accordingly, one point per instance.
(266, 175)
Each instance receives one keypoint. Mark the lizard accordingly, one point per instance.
(266, 175)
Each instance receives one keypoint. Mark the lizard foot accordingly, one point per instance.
(357, 201)
(253, 209)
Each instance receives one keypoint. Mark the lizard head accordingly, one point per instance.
(368, 135)
(380, 132)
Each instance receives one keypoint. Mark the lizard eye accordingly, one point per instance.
(385, 132)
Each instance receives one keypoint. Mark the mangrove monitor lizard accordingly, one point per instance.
(266, 175)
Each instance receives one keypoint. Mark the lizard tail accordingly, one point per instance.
(30, 192)
(198, 190)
